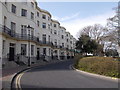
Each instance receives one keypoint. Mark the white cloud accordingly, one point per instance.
(74, 25)
(66, 18)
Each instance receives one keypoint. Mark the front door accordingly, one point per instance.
(11, 52)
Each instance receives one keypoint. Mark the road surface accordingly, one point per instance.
(59, 75)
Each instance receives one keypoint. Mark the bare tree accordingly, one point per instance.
(96, 32)
(114, 24)
(108, 36)
(102, 35)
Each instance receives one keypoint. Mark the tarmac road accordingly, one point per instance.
(60, 75)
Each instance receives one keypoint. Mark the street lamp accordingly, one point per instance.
(29, 45)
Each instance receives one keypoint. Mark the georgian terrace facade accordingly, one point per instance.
(44, 36)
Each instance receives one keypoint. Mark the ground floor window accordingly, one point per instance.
(44, 51)
(32, 49)
(3, 44)
(23, 49)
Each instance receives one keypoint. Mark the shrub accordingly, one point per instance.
(100, 65)
(76, 59)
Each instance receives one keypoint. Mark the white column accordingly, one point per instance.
(18, 48)
(1, 14)
(1, 60)
(58, 54)
(1, 47)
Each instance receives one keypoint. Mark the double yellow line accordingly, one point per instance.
(17, 82)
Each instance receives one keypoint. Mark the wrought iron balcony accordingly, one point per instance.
(15, 35)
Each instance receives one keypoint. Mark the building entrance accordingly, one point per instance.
(12, 52)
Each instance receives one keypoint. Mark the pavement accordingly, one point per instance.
(60, 75)
(9, 73)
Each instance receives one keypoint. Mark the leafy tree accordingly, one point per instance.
(96, 32)
(86, 44)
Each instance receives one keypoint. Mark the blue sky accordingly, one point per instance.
(76, 15)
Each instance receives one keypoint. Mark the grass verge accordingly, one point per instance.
(107, 66)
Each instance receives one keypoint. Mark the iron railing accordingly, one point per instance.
(19, 36)
(13, 34)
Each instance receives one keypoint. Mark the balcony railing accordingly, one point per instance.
(13, 34)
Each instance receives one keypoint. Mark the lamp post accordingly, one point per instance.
(29, 45)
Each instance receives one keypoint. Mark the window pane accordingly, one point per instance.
(24, 12)
(38, 23)
(38, 14)
(44, 51)
(23, 49)
(13, 26)
(32, 49)
(55, 32)
(23, 30)
(44, 25)
(32, 31)
(32, 15)
(44, 38)
(54, 25)
(44, 16)
(13, 8)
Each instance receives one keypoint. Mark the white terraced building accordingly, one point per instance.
(28, 31)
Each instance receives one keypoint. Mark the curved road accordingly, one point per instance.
(59, 75)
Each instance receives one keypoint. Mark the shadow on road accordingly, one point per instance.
(60, 66)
